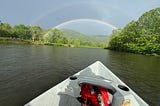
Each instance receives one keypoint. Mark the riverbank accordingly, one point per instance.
(7, 40)
(67, 45)
(4, 40)
(142, 53)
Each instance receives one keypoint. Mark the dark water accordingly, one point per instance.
(27, 71)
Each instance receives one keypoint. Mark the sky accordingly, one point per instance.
(51, 13)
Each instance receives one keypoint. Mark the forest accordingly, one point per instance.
(19, 33)
(141, 36)
(22, 34)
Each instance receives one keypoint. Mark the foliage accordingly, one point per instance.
(83, 37)
(141, 36)
(70, 38)
(20, 31)
(36, 31)
(37, 35)
(5, 30)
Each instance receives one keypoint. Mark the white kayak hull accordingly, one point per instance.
(66, 92)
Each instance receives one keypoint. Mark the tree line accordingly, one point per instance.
(141, 36)
(20, 31)
(38, 35)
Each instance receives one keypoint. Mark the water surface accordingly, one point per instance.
(27, 70)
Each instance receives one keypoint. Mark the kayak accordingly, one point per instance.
(67, 92)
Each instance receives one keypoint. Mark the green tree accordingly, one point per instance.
(21, 31)
(56, 34)
(53, 36)
(77, 42)
(70, 40)
(5, 30)
(36, 32)
(141, 36)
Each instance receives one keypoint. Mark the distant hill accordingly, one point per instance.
(82, 37)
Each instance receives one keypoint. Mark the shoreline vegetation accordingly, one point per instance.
(139, 37)
(7, 40)
(25, 34)
(4, 40)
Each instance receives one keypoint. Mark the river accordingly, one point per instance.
(28, 70)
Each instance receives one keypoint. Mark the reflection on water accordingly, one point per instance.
(27, 71)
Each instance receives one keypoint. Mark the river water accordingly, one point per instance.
(27, 70)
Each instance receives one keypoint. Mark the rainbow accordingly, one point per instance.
(98, 5)
(56, 9)
(89, 20)
(95, 4)
(83, 19)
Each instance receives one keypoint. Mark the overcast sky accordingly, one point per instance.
(50, 13)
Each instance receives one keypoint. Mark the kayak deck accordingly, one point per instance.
(66, 92)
